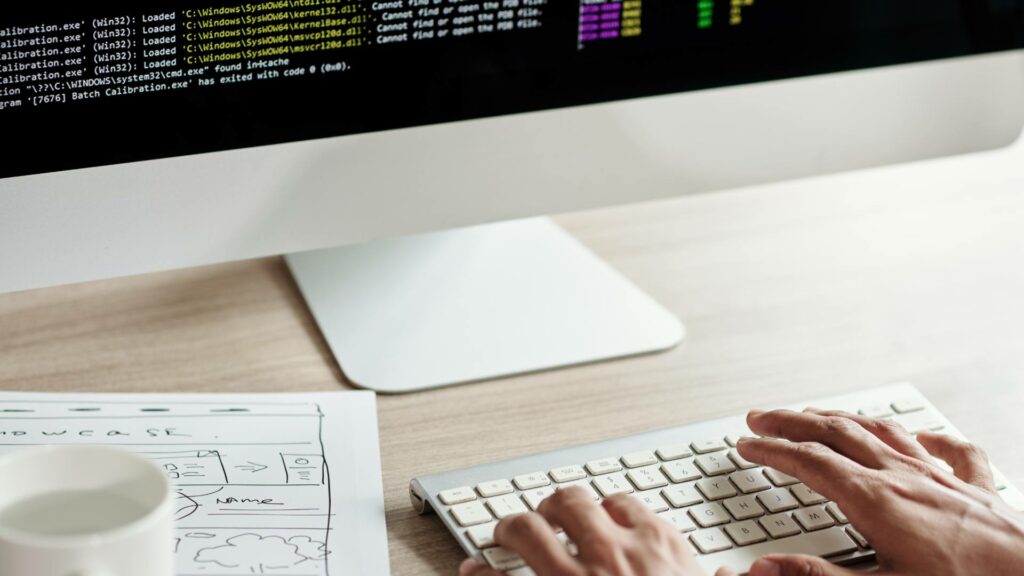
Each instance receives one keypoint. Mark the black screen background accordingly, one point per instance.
(397, 86)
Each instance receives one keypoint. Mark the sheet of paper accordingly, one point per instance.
(285, 484)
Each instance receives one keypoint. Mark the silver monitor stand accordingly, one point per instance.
(476, 303)
(416, 312)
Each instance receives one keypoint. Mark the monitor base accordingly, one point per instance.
(466, 305)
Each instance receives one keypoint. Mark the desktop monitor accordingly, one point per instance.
(148, 136)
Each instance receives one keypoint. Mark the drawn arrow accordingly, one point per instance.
(252, 467)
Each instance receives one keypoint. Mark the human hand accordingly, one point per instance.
(619, 537)
(921, 520)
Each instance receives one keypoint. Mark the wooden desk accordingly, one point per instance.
(788, 292)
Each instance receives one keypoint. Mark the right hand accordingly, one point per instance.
(921, 520)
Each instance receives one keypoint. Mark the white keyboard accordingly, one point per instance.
(733, 511)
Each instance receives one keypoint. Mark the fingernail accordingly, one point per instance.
(755, 413)
(765, 567)
(468, 565)
(744, 439)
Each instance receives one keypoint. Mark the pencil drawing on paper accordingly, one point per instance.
(261, 554)
(252, 480)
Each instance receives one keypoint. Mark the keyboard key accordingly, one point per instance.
(680, 519)
(530, 481)
(505, 506)
(778, 500)
(674, 452)
(743, 508)
(836, 513)
(522, 571)
(907, 405)
(858, 538)
(710, 514)
(482, 536)
(922, 421)
(750, 481)
(682, 495)
(647, 478)
(603, 466)
(746, 533)
(740, 509)
(829, 542)
(814, 518)
(681, 471)
(494, 488)
(612, 484)
(806, 496)
(652, 501)
(536, 496)
(780, 478)
(568, 473)
(878, 411)
(471, 514)
(638, 459)
(712, 540)
(502, 559)
(716, 488)
(734, 438)
(457, 495)
(779, 525)
(741, 462)
(715, 464)
(584, 484)
(708, 446)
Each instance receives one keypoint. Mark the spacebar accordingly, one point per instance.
(822, 543)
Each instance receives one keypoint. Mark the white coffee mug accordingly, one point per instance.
(84, 511)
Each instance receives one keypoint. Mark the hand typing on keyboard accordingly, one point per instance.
(920, 518)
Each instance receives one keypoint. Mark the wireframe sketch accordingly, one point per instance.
(252, 481)
(262, 554)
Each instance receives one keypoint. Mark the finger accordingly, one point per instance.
(533, 538)
(725, 572)
(818, 466)
(629, 512)
(841, 434)
(969, 462)
(474, 567)
(586, 523)
(888, 431)
(796, 566)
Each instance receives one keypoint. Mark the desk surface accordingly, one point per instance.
(788, 292)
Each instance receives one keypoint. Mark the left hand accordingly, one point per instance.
(619, 537)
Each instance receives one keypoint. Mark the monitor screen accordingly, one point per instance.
(104, 82)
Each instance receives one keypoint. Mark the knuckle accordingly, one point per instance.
(891, 426)
(919, 466)
(811, 450)
(973, 451)
(839, 426)
(898, 487)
